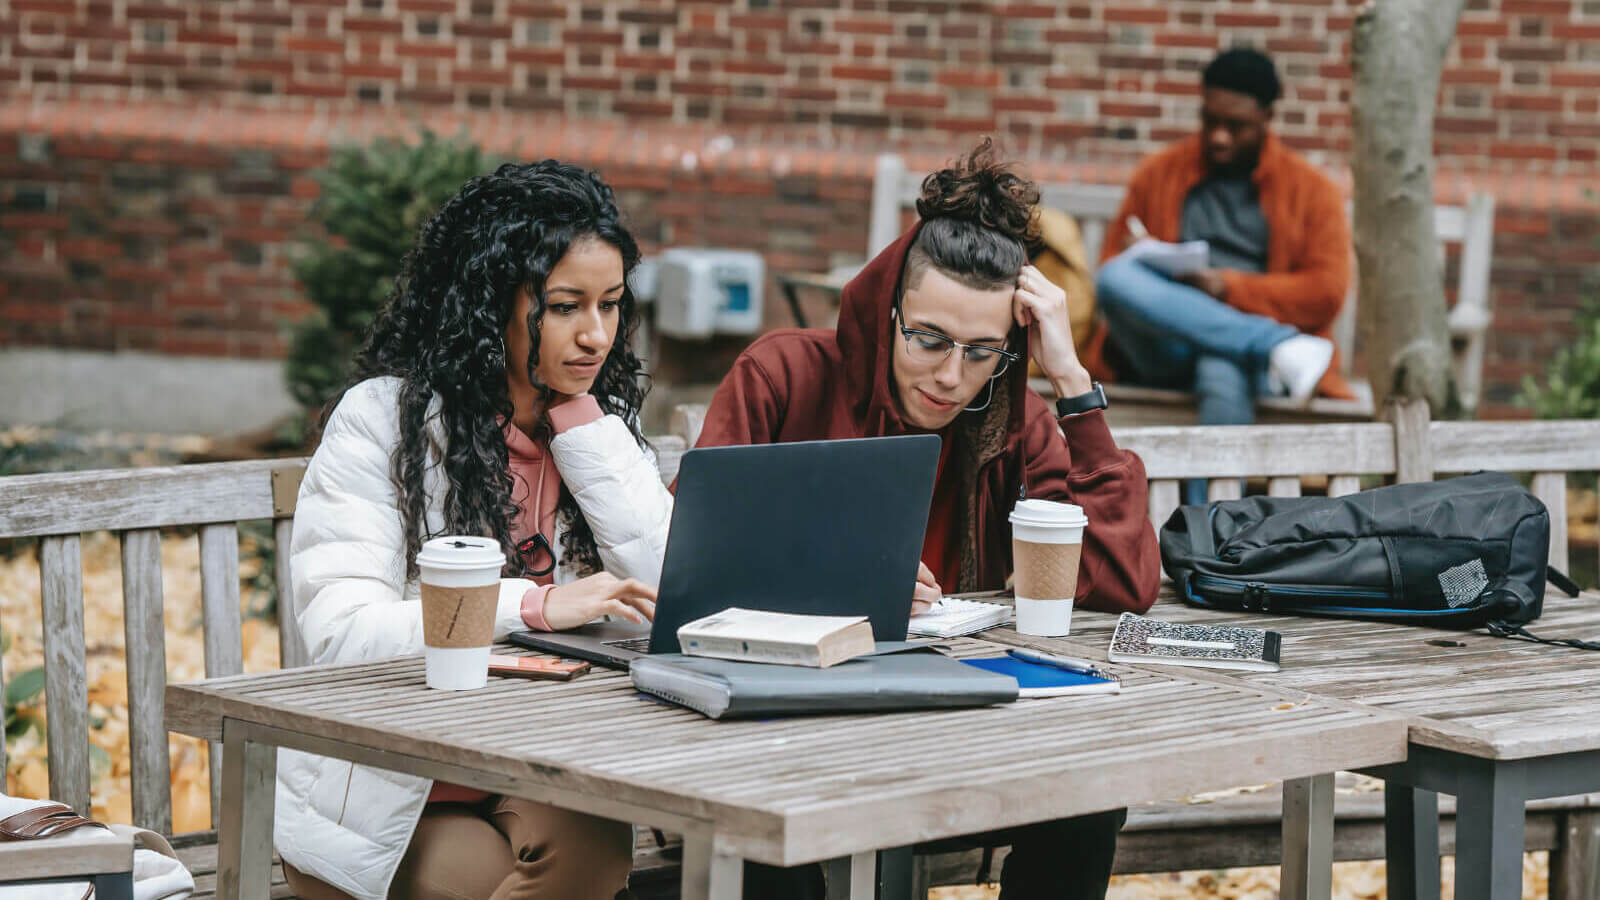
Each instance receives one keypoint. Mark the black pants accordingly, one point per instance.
(1067, 859)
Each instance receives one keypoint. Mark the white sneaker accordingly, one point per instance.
(1298, 364)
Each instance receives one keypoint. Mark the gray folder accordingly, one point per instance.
(896, 676)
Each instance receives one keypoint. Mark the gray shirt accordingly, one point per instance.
(1225, 211)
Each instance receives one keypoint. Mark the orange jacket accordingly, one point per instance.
(1308, 248)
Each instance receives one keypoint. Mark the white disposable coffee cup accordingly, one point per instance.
(460, 580)
(1046, 548)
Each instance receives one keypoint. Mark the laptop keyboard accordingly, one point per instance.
(637, 645)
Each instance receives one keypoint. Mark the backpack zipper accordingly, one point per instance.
(1256, 596)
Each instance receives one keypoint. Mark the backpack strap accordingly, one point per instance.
(1507, 630)
(1198, 523)
(1562, 581)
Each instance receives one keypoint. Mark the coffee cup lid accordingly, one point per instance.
(1048, 513)
(461, 552)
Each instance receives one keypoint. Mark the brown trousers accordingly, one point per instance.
(502, 848)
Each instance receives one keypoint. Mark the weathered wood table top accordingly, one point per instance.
(797, 790)
(1463, 691)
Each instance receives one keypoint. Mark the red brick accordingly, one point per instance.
(1496, 28)
(1011, 11)
(1574, 78)
(1017, 103)
(49, 7)
(1082, 83)
(646, 108)
(909, 100)
(1129, 110)
(1297, 45)
(642, 62)
(372, 25)
(701, 89)
(1470, 76)
(1522, 151)
(1575, 129)
(594, 36)
(1576, 32)
(306, 89)
(1247, 20)
(1528, 102)
(969, 78)
(1561, 8)
(36, 312)
(553, 56)
(965, 124)
(1186, 39)
(753, 67)
(482, 77)
(864, 26)
(1137, 15)
(863, 73)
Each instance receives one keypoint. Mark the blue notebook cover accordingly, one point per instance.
(1034, 680)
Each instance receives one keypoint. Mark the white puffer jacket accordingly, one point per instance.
(349, 825)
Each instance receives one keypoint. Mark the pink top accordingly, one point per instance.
(535, 488)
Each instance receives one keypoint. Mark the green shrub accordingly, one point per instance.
(1571, 388)
(373, 200)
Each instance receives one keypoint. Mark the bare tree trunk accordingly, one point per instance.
(1398, 50)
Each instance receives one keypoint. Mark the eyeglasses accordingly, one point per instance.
(927, 348)
(531, 552)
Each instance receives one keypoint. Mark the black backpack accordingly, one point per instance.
(1466, 552)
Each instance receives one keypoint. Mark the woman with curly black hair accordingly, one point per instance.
(496, 394)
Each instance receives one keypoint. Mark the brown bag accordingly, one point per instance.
(42, 822)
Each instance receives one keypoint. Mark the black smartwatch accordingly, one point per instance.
(1095, 398)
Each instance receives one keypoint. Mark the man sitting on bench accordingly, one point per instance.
(1257, 320)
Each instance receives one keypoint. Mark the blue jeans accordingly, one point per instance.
(1171, 335)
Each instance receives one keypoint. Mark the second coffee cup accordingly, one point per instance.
(1046, 546)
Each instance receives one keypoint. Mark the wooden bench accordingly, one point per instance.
(135, 504)
(95, 855)
(896, 188)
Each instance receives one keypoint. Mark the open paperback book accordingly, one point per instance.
(1172, 260)
(953, 617)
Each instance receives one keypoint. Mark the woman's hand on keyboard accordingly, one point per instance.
(602, 594)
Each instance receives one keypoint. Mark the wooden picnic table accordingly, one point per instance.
(1495, 722)
(788, 791)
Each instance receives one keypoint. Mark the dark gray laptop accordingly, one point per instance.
(820, 527)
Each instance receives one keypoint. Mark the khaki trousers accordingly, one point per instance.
(502, 848)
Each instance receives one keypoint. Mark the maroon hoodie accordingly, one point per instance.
(813, 384)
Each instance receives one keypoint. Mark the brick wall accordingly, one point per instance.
(155, 156)
(1107, 79)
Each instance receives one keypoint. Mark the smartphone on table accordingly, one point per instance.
(536, 667)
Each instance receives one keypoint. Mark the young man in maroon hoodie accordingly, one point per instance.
(934, 336)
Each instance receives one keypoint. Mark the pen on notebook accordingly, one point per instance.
(1065, 663)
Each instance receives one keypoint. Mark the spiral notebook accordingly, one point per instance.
(1035, 680)
(1138, 639)
(953, 617)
